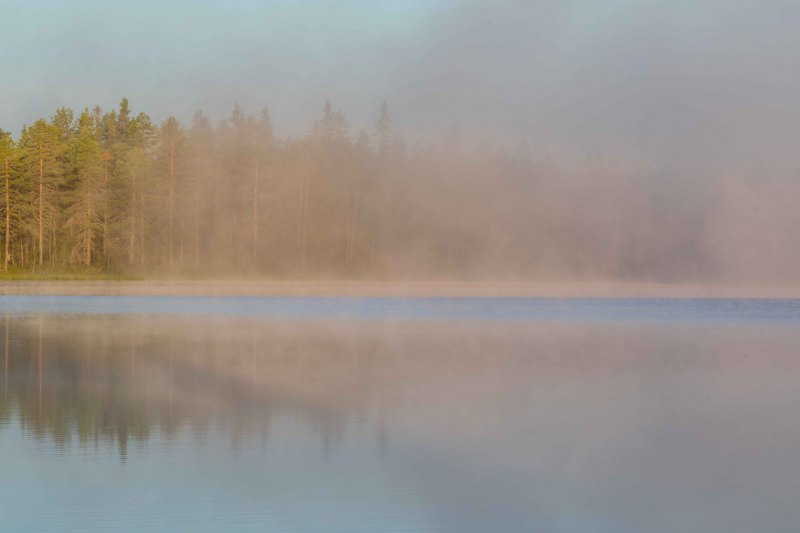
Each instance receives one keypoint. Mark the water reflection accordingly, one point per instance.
(301, 425)
(111, 380)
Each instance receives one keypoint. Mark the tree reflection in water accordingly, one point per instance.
(100, 381)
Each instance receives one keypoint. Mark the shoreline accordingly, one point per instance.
(443, 289)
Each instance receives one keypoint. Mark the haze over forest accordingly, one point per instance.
(515, 140)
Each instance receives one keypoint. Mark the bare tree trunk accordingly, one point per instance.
(171, 194)
(230, 245)
(181, 232)
(351, 230)
(41, 206)
(6, 256)
(132, 242)
(105, 218)
(255, 215)
(141, 228)
(88, 258)
(303, 222)
(197, 220)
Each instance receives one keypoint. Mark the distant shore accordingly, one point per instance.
(336, 288)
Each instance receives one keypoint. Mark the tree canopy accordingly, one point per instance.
(110, 191)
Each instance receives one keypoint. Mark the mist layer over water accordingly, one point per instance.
(529, 140)
(203, 422)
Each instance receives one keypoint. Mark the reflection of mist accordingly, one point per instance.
(116, 378)
(517, 419)
(109, 381)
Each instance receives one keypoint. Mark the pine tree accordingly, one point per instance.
(262, 141)
(201, 148)
(171, 153)
(383, 130)
(135, 177)
(85, 212)
(235, 166)
(41, 153)
(112, 191)
(6, 159)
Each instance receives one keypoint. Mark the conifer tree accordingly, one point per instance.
(201, 148)
(262, 148)
(41, 153)
(383, 130)
(111, 191)
(171, 153)
(85, 212)
(135, 178)
(6, 160)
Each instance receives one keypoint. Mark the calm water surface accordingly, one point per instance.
(403, 415)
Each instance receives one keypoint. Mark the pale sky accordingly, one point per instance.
(176, 56)
(715, 77)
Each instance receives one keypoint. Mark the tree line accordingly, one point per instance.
(111, 191)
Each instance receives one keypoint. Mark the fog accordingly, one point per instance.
(476, 426)
(539, 140)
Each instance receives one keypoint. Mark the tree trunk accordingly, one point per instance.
(41, 206)
(105, 219)
(141, 228)
(255, 215)
(230, 245)
(303, 217)
(181, 232)
(132, 242)
(351, 231)
(6, 257)
(88, 258)
(171, 195)
(197, 220)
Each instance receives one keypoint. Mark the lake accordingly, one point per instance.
(388, 414)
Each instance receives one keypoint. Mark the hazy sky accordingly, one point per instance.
(710, 77)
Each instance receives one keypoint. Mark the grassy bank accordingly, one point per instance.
(29, 275)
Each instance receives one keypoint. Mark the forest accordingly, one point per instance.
(113, 192)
